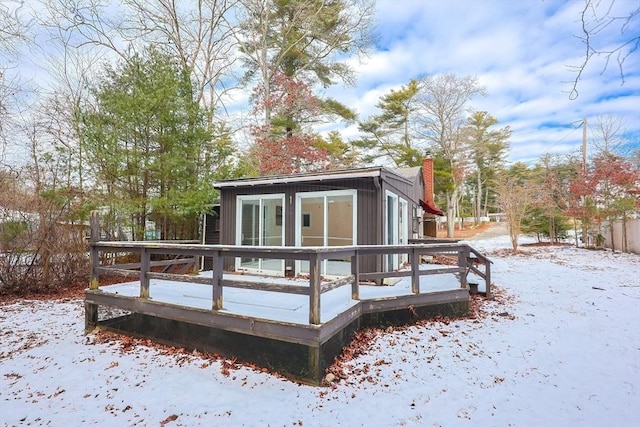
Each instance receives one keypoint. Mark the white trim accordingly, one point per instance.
(204, 238)
(403, 233)
(400, 234)
(391, 261)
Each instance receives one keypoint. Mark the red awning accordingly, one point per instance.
(431, 208)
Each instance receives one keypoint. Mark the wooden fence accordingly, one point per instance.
(630, 229)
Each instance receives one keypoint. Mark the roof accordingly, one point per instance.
(408, 173)
(377, 171)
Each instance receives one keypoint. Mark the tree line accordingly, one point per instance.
(133, 116)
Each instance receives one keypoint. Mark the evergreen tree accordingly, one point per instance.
(487, 147)
(389, 135)
(298, 44)
(150, 147)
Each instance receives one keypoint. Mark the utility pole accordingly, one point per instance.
(584, 145)
(585, 229)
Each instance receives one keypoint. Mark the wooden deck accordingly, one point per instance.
(296, 327)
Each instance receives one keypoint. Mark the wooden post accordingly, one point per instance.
(314, 289)
(91, 310)
(94, 281)
(487, 278)
(463, 260)
(216, 280)
(95, 226)
(145, 260)
(314, 362)
(90, 316)
(415, 271)
(355, 271)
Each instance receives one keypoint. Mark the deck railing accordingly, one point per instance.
(462, 259)
(314, 255)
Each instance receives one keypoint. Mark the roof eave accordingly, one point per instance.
(362, 173)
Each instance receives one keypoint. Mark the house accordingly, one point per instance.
(364, 206)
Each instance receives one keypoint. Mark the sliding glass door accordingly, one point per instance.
(327, 218)
(260, 222)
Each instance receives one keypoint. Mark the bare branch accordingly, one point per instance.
(598, 18)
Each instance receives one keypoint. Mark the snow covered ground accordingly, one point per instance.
(560, 346)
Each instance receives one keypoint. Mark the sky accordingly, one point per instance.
(559, 346)
(520, 51)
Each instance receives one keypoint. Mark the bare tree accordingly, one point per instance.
(599, 18)
(199, 34)
(442, 113)
(608, 136)
(202, 37)
(43, 246)
(12, 27)
(514, 198)
(93, 25)
(13, 33)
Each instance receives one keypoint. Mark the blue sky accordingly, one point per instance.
(520, 51)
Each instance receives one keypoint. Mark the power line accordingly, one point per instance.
(564, 137)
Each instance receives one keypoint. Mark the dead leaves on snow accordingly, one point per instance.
(481, 310)
(20, 341)
(127, 344)
(169, 419)
(362, 343)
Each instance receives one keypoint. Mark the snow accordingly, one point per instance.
(277, 306)
(561, 348)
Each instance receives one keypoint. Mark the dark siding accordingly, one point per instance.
(211, 232)
(411, 192)
(370, 226)
(368, 215)
(401, 187)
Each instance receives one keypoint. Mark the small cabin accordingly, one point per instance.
(364, 206)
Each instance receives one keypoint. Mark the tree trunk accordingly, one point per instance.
(451, 213)
(478, 197)
(613, 245)
(486, 201)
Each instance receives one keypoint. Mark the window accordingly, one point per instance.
(306, 219)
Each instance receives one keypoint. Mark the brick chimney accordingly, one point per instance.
(429, 224)
(427, 177)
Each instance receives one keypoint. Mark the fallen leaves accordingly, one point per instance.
(226, 366)
(346, 367)
(341, 369)
(112, 365)
(169, 419)
(128, 344)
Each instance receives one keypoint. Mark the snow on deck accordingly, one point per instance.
(278, 306)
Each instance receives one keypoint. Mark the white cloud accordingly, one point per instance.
(520, 51)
